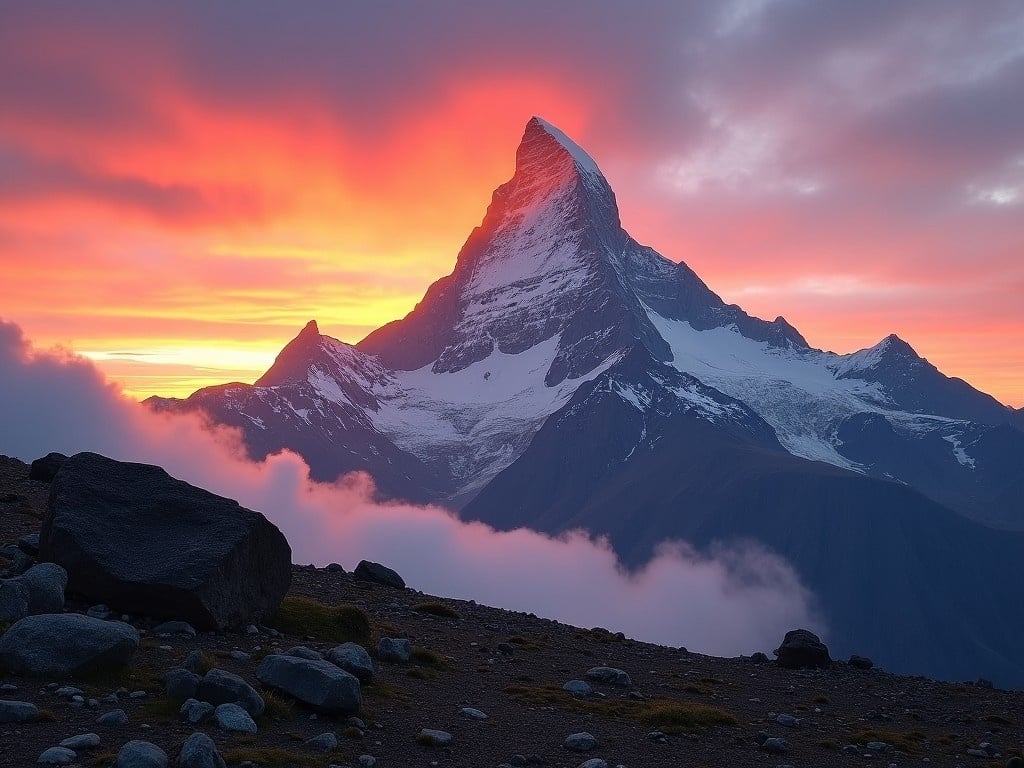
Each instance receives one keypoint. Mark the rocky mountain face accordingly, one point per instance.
(565, 376)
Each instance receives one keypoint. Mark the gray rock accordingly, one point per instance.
(367, 761)
(82, 741)
(879, 746)
(141, 754)
(578, 688)
(180, 684)
(775, 746)
(609, 675)
(57, 756)
(431, 737)
(594, 762)
(18, 712)
(99, 611)
(395, 649)
(46, 583)
(239, 655)
(193, 661)
(580, 742)
(302, 652)
(199, 751)
(219, 686)
(66, 645)
(29, 544)
(194, 556)
(196, 711)
(787, 720)
(13, 600)
(325, 742)
(318, 684)
(472, 714)
(67, 692)
(802, 648)
(860, 662)
(45, 469)
(172, 628)
(379, 574)
(354, 659)
(113, 718)
(231, 717)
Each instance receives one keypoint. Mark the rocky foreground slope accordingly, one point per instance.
(446, 683)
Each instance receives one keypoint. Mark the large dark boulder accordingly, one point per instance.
(135, 538)
(803, 648)
(46, 468)
(379, 574)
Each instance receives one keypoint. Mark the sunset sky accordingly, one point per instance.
(183, 185)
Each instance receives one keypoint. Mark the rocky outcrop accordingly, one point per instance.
(67, 645)
(318, 684)
(803, 648)
(135, 538)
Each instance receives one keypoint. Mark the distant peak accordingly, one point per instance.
(540, 132)
(310, 329)
(292, 361)
(893, 343)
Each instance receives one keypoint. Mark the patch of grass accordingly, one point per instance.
(821, 699)
(134, 679)
(276, 707)
(426, 657)
(271, 758)
(829, 744)
(351, 732)
(909, 742)
(46, 716)
(98, 759)
(161, 709)
(524, 644)
(381, 691)
(387, 629)
(304, 616)
(437, 609)
(696, 690)
(667, 715)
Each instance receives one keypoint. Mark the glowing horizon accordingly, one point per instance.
(184, 188)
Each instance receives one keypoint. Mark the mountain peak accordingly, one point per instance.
(290, 363)
(539, 130)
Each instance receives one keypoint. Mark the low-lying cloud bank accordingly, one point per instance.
(737, 600)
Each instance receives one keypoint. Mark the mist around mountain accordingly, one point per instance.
(564, 376)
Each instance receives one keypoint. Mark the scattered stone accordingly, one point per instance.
(802, 648)
(18, 712)
(334, 568)
(367, 761)
(319, 684)
(302, 652)
(379, 574)
(113, 718)
(325, 742)
(219, 686)
(66, 645)
(57, 756)
(354, 659)
(861, 662)
(394, 649)
(194, 661)
(29, 544)
(609, 675)
(658, 737)
(141, 754)
(787, 720)
(775, 746)
(233, 718)
(99, 611)
(172, 628)
(506, 649)
(67, 692)
(137, 695)
(199, 751)
(579, 688)
(180, 684)
(472, 714)
(759, 658)
(580, 742)
(240, 655)
(45, 469)
(82, 741)
(202, 557)
(433, 738)
(879, 746)
(594, 762)
(196, 711)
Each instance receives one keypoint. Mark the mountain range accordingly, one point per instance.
(564, 376)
